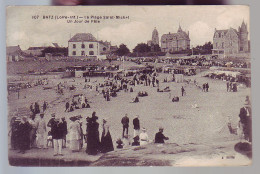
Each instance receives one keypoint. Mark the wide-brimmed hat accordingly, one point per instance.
(143, 129)
(53, 115)
(161, 128)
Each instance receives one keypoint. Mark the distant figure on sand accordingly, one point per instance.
(135, 100)
(183, 91)
(44, 107)
(227, 86)
(207, 87)
(67, 106)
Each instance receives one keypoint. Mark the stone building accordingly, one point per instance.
(173, 42)
(14, 54)
(231, 41)
(86, 45)
(155, 38)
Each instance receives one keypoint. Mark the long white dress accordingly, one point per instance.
(143, 138)
(74, 130)
(41, 131)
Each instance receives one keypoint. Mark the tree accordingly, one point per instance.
(55, 51)
(203, 49)
(155, 48)
(142, 48)
(122, 50)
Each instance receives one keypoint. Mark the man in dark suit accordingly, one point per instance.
(64, 129)
(125, 123)
(57, 135)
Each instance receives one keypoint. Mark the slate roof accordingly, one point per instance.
(83, 37)
(13, 50)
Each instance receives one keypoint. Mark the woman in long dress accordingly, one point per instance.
(106, 140)
(74, 129)
(92, 135)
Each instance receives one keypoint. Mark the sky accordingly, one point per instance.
(24, 30)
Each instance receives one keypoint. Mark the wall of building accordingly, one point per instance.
(103, 49)
(244, 42)
(173, 45)
(231, 42)
(79, 49)
(13, 58)
(218, 42)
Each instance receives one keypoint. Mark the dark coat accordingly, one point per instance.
(125, 121)
(159, 137)
(63, 127)
(106, 144)
(246, 122)
(136, 124)
(56, 131)
(243, 115)
(93, 142)
(23, 136)
(50, 123)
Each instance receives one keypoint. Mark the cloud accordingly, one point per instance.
(233, 17)
(130, 34)
(200, 32)
(200, 21)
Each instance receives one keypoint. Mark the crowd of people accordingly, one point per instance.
(77, 102)
(60, 132)
(28, 132)
(231, 87)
